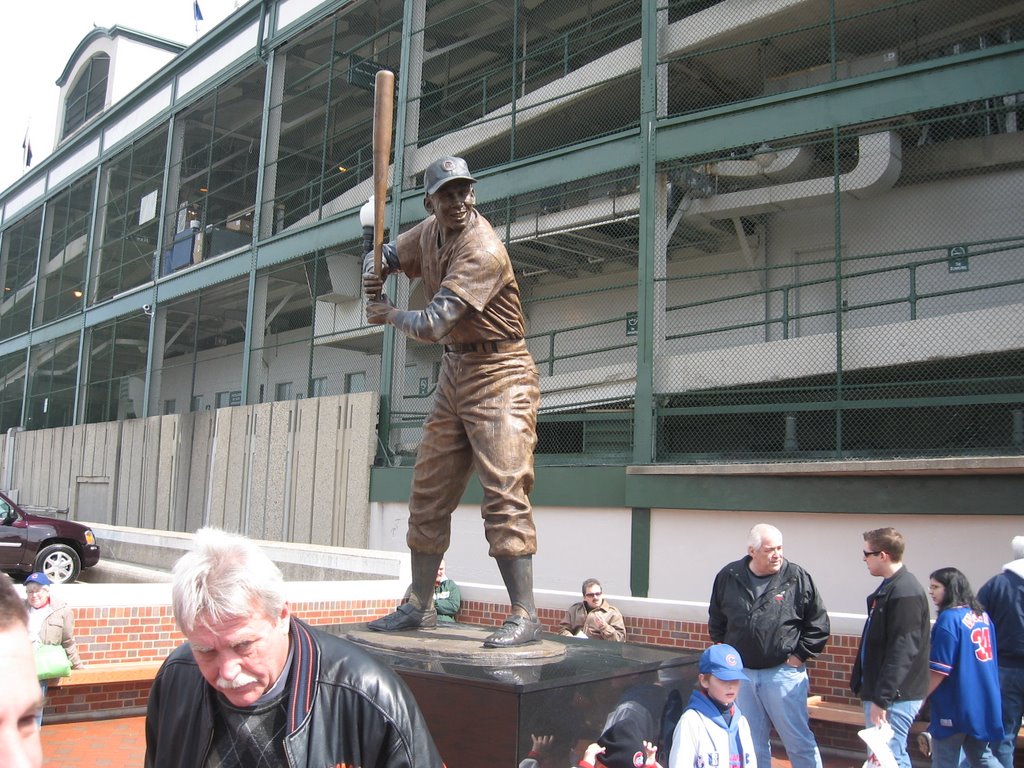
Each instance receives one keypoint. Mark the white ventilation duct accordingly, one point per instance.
(770, 164)
(878, 167)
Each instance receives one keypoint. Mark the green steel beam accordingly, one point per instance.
(389, 343)
(640, 552)
(191, 280)
(122, 305)
(86, 278)
(837, 275)
(880, 96)
(916, 87)
(878, 495)
(306, 20)
(7, 346)
(554, 486)
(57, 329)
(610, 486)
(579, 162)
(850, 405)
(643, 408)
(291, 245)
(556, 168)
(261, 177)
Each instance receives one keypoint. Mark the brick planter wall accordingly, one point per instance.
(119, 634)
(830, 672)
(148, 633)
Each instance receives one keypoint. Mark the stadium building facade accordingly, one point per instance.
(771, 252)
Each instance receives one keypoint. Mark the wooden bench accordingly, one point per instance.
(101, 691)
(831, 712)
(852, 714)
(115, 672)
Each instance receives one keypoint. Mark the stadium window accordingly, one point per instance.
(88, 95)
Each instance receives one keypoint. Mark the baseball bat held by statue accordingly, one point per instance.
(383, 109)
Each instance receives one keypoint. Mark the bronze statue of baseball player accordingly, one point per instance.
(485, 407)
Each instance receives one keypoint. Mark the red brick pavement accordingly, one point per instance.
(121, 744)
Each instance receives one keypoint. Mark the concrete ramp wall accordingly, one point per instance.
(294, 471)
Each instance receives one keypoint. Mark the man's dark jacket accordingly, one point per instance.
(788, 617)
(892, 662)
(1003, 598)
(344, 708)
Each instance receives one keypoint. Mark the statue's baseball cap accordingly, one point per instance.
(443, 170)
(723, 661)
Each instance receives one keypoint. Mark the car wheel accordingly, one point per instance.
(59, 562)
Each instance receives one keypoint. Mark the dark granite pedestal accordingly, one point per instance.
(482, 705)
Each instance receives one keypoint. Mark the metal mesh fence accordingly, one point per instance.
(115, 371)
(867, 305)
(60, 288)
(53, 369)
(198, 349)
(125, 234)
(855, 292)
(214, 163)
(12, 379)
(20, 252)
(720, 53)
(321, 114)
(315, 341)
(504, 80)
(574, 245)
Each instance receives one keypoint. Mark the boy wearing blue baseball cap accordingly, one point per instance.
(712, 733)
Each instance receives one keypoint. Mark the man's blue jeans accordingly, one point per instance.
(901, 716)
(778, 696)
(1011, 686)
(946, 753)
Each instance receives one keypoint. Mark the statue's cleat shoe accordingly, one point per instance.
(517, 630)
(509, 676)
(406, 616)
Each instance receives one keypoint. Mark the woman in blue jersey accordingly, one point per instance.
(964, 676)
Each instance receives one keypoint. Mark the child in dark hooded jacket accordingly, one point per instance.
(712, 732)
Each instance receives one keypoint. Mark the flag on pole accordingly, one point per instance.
(26, 149)
(196, 13)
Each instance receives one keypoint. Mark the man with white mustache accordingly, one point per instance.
(240, 681)
(255, 687)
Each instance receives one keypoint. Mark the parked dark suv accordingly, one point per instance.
(58, 548)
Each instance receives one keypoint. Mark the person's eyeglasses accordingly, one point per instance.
(869, 554)
(591, 594)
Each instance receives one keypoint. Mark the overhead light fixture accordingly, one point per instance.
(342, 169)
(77, 294)
(203, 189)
